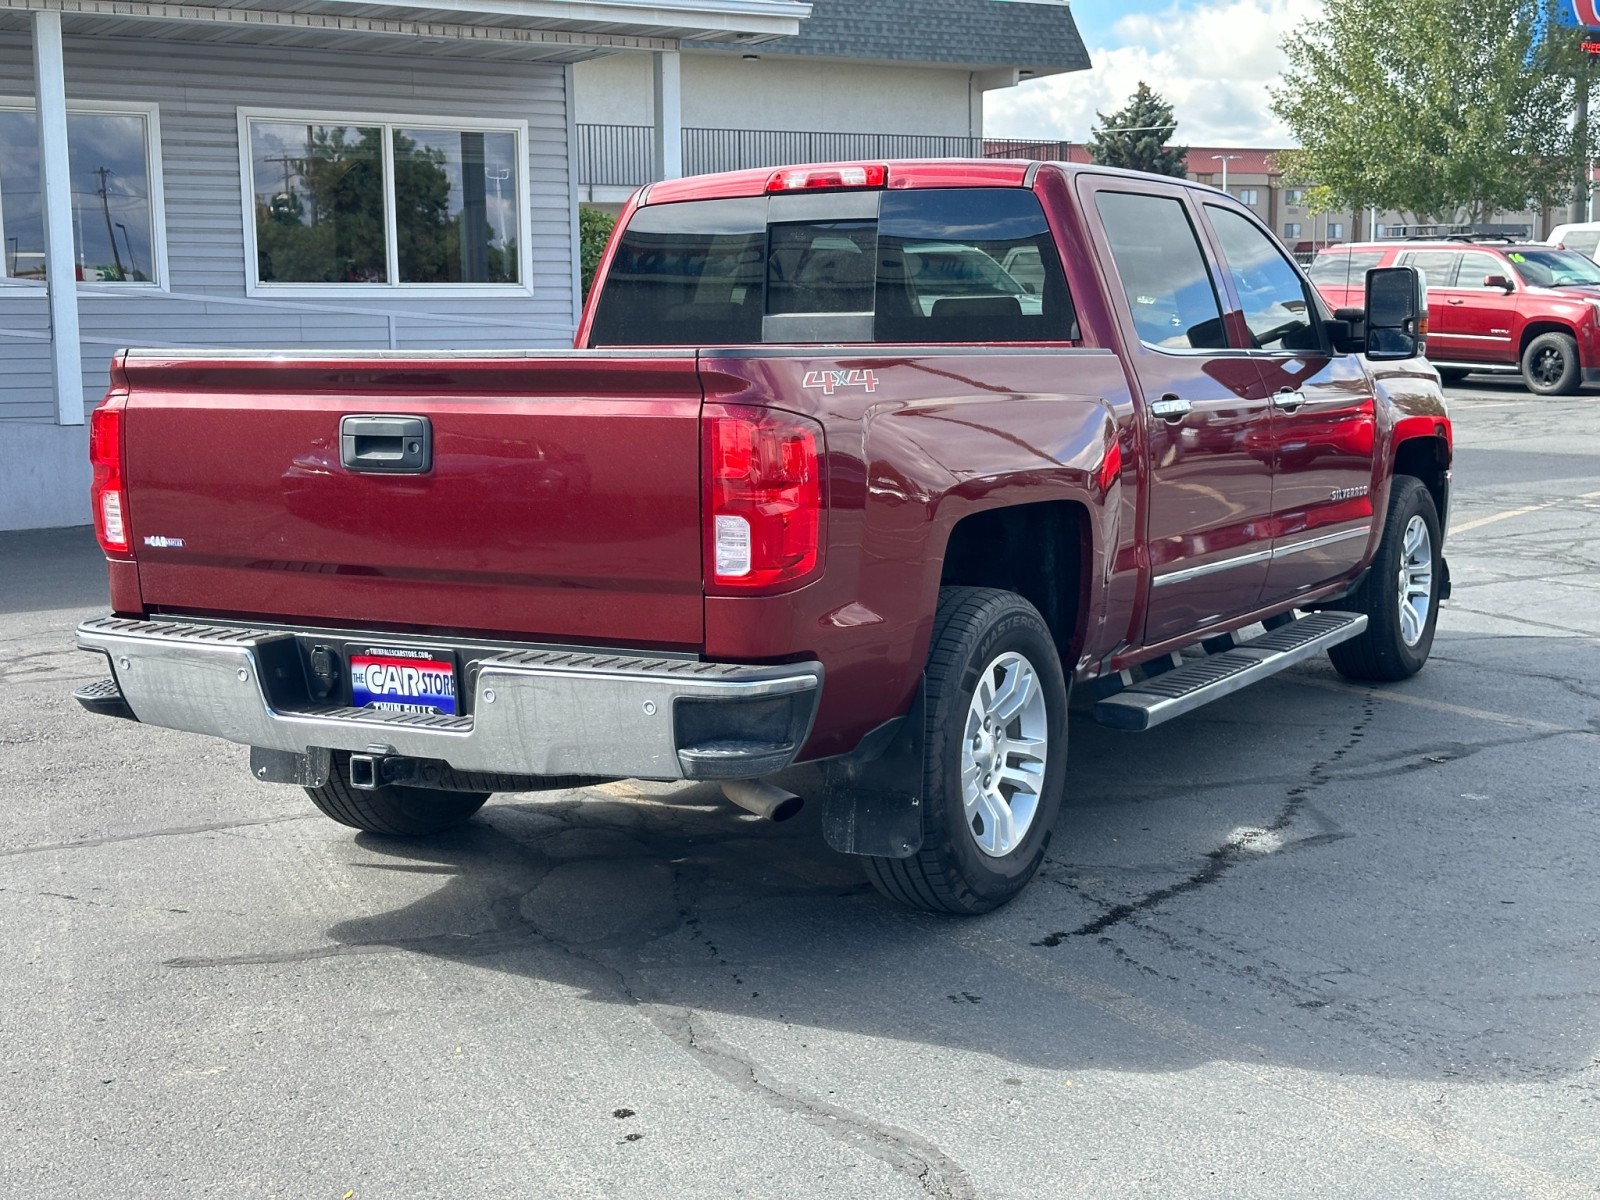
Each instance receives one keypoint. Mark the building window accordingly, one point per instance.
(115, 179)
(384, 203)
(1291, 229)
(1294, 197)
(1249, 196)
(1335, 229)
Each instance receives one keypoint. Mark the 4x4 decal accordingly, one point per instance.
(832, 381)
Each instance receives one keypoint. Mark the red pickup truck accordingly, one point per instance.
(1494, 305)
(857, 468)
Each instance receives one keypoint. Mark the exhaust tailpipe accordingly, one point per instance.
(763, 799)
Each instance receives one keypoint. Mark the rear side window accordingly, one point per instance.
(1168, 286)
(1438, 267)
(932, 267)
(1477, 266)
(1345, 270)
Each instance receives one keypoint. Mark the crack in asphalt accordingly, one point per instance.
(175, 831)
(1217, 863)
(938, 1175)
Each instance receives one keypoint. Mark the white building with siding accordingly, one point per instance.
(299, 175)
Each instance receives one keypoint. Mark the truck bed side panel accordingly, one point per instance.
(1025, 425)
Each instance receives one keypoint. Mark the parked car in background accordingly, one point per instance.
(1492, 305)
(1584, 237)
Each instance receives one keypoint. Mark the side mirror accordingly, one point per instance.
(1397, 314)
(1501, 282)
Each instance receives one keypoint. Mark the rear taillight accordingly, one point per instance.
(764, 499)
(108, 495)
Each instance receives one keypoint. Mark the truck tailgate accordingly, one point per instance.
(562, 502)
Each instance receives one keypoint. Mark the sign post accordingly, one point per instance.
(1586, 16)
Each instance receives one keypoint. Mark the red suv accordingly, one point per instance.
(1492, 306)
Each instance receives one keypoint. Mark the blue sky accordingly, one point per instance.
(1213, 60)
(1097, 17)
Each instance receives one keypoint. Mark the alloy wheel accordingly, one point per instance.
(1003, 754)
(1416, 580)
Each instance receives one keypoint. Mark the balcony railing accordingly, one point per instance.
(620, 155)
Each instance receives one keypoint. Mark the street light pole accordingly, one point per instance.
(1225, 159)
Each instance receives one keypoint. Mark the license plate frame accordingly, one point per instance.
(403, 677)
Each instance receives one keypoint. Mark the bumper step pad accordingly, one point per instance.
(104, 698)
(1153, 701)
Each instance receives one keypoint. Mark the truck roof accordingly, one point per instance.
(914, 172)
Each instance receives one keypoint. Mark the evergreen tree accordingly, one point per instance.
(1136, 137)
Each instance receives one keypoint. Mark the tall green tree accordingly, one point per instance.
(1449, 110)
(1136, 137)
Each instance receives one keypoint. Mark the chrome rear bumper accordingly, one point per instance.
(528, 712)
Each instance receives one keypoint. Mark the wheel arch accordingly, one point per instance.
(1539, 328)
(1427, 458)
(1040, 550)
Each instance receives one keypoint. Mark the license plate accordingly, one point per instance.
(400, 679)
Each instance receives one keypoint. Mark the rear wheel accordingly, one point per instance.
(392, 809)
(994, 758)
(1550, 365)
(1453, 374)
(1399, 592)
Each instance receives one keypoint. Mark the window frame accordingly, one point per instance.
(1249, 196)
(255, 287)
(160, 281)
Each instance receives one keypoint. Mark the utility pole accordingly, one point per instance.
(104, 173)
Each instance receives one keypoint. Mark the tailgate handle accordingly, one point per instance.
(386, 445)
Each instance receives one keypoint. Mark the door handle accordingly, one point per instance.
(386, 445)
(1288, 399)
(1172, 408)
(1455, 301)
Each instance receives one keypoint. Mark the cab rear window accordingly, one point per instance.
(923, 267)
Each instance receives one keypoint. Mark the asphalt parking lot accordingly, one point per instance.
(1317, 939)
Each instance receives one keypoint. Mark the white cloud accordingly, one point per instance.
(1211, 61)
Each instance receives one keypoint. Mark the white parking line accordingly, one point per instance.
(1456, 710)
(1457, 530)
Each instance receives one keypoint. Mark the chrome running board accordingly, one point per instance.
(1149, 703)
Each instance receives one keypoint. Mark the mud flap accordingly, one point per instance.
(310, 769)
(873, 802)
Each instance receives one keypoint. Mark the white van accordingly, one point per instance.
(1584, 238)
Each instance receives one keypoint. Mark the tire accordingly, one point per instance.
(1396, 645)
(983, 636)
(1550, 365)
(1452, 374)
(391, 809)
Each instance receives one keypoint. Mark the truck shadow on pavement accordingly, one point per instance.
(665, 898)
